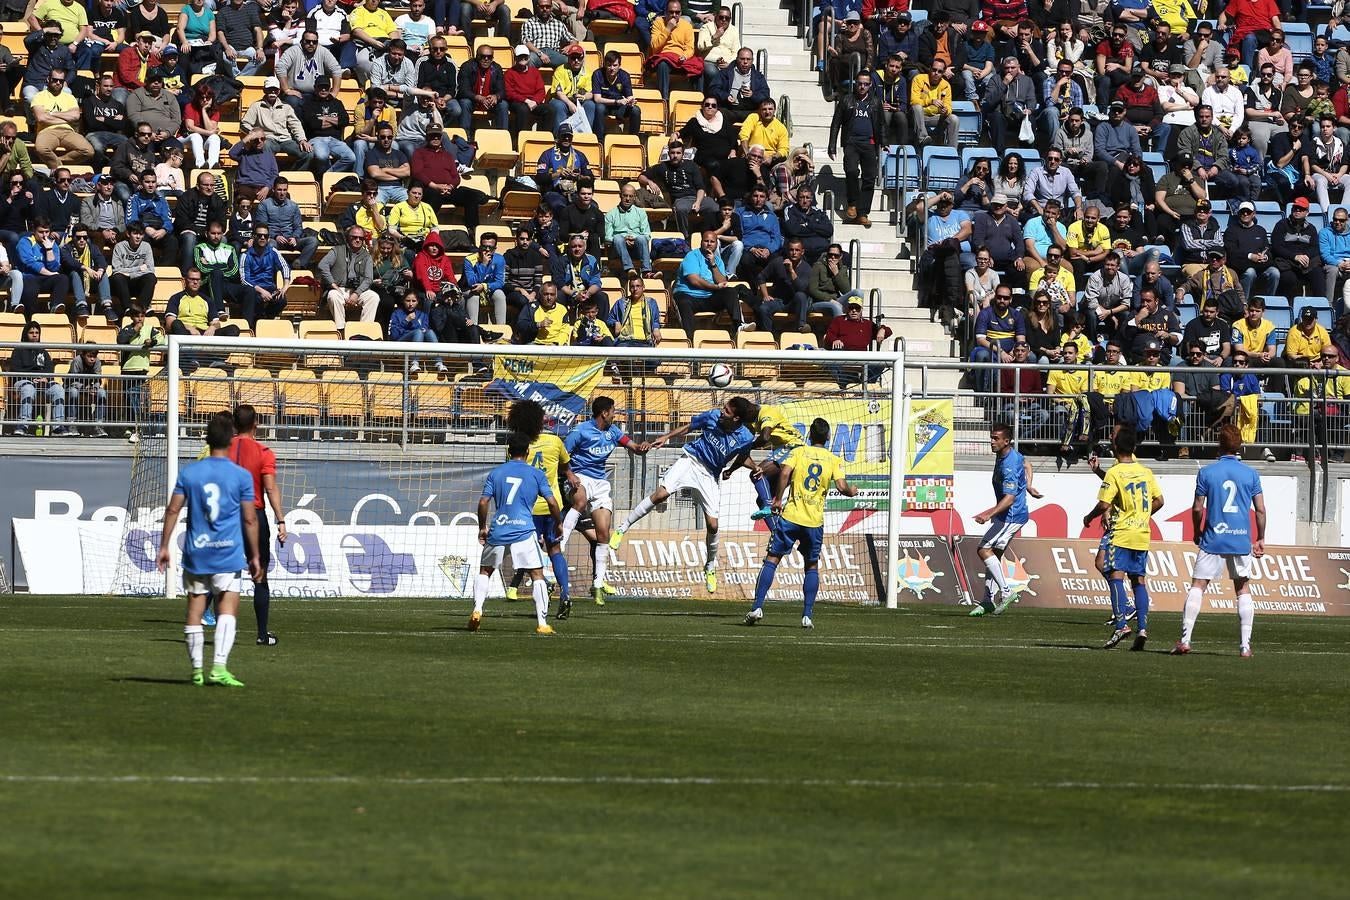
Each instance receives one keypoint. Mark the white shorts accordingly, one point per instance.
(1211, 566)
(524, 555)
(1000, 534)
(597, 491)
(689, 473)
(210, 584)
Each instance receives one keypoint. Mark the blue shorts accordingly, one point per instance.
(780, 455)
(547, 529)
(1121, 559)
(807, 539)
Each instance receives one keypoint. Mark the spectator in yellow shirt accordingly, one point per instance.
(930, 104)
(1089, 241)
(570, 89)
(1255, 334)
(1306, 340)
(768, 132)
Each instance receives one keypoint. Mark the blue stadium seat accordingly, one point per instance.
(1030, 157)
(899, 167)
(1274, 411)
(1299, 37)
(1220, 215)
(1156, 164)
(943, 165)
(1268, 220)
(1280, 318)
(969, 124)
(918, 15)
(970, 154)
(1275, 301)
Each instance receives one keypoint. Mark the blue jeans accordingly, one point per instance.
(984, 379)
(248, 61)
(82, 298)
(644, 249)
(598, 115)
(1269, 280)
(561, 112)
(392, 193)
(1249, 50)
(93, 392)
(500, 114)
(833, 307)
(88, 53)
(101, 141)
(550, 58)
(343, 159)
(28, 394)
(731, 256)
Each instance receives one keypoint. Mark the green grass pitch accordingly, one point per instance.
(664, 750)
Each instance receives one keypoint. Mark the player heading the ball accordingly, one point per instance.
(809, 471)
(723, 438)
(222, 538)
(513, 487)
(1227, 492)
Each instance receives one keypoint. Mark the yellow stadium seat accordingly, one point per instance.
(501, 49)
(363, 329)
(56, 328)
(495, 150)
(298, 392)
(713, 338)
(305, 192)
(631, 59)
(433, 399)
(344, 397)
(530, 146)
(517, 205)
(336, 202)
(653, 107)
(457, 49)
(255, 387)
(605, 194)
(683, 106)
(589, 145)
(386, 395)
(624, 159)
(757, 340)
(275, 329)
(211, 392)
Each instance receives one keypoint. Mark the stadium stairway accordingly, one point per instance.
(790, 73)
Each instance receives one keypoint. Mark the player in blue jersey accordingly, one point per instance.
(723, 436)
(1227, 493)
(590, 445)
(513, 487)
(810, 471)
(1012, 484)
(220, 542)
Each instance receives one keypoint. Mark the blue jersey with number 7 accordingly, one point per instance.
(1229, 486)
(212, 490)
(513, 487)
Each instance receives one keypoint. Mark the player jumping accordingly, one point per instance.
(513, 487)
(547, 454)
(722, 438)
(1012, 484)
(590, 445)
(1133, 493)
(809, 471)
(221, 540)
(1227, 491)
(772, 429)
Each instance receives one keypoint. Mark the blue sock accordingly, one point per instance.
(762, 491)
(1141, 601)
(766, 574)
(810, 587)
(1119, 601)
(560, 573)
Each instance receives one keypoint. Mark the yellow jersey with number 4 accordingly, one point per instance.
(781, 432)
(814, 470)
(547, 454)
(1129, 488)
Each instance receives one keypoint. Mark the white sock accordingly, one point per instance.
(541, 601)
(195, 639)
(990, 590)
(1194, 598)
(569, 523)
(638, 512)
(600, 553)
(480, 586)
(995, 566)
(225, 629)
(711, 543)
(1246, 611)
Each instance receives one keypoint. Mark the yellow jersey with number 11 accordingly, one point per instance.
(1129, 488)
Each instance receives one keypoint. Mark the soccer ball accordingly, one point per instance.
(720, 375)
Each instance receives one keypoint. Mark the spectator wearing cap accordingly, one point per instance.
(1215, 283)
(1295, 252)
(1247, 245)
(1114, 141)
(1306, 340)
(899, 38)
(740, 87)
(852, 332)
(930, 104)
(1143, 109)
(561, 169)
(672, 49)
(1178, 98)
(1178, 200)
(45, 53)
(152, 105)
(853, 50)
(858, 119)
(977, 70)
(1333, 243)
(525, 94)
(612, 95)
(545, 35)
(1115, 58)
(302, 65)
(718, 42)
(1000, 231)
(325, 121)
(133, 63)
(482, 88)
(570, 90)
(279, 123)
(1010, 100)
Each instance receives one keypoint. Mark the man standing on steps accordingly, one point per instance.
(859, 117)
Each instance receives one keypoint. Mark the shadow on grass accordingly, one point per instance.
(142, 679)
(1070, 646)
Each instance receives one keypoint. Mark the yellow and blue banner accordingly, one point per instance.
(563, 386)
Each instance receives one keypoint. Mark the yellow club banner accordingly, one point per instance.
(562, 385)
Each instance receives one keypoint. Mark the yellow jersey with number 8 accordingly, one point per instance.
(814, 470)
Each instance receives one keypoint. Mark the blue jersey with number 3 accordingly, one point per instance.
(1229, 486)
(513, 487)
(212, 489)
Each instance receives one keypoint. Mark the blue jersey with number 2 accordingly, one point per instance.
(1229, 486)
(513, 487)
(212, 489)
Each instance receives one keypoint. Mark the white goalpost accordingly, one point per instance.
(382, 454)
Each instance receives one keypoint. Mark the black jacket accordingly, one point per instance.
(572, 220)
(32, 359)
(1289, 241)
(129, 159)
(185, 213)
(813, 228)
(843, 118)
(468, 79)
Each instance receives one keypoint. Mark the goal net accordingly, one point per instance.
(382, 449)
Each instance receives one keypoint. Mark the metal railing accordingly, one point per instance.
(762, 62)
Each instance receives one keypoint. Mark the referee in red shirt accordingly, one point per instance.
(260, 462)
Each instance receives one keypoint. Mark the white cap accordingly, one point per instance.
(271, 82)
(1246, 205)
(522, 50)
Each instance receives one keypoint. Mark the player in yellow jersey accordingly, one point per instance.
(1132, 493)
(771, 429)
(809, 471)
(547, 454)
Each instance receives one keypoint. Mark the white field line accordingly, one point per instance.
(672, 781)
